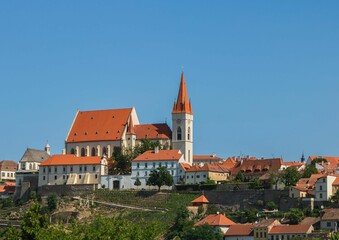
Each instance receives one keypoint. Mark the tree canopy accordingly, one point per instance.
(123, 157)
(309, 170)
(160, 177)
(295, 215)
(240, 177)
(290, 176)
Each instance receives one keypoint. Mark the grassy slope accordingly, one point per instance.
(170, 201)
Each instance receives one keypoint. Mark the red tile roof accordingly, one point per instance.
(251, 167)
(336, 182)
(279, 229)
(305, 184)
(330, 166)
(331, 214)
(153, 131)
(99, 125)
(215, 220)
(201, 199)
(240, 230)
(182, 105)
(229, 163)
(185, 166)
(70, 159)
(162, 155)
(206, 158)
(213, 167)
(8, 165)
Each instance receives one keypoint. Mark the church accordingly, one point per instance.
(98, 132)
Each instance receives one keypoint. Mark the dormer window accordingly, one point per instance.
(96, 133)
(75, 134)
(85, 133)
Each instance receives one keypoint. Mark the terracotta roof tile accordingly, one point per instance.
(215, 220)
(103, 125)
(201, 199)
(70, 159)
(213, 167)
(8, 165)
(153, 131)
(336, 182)
(240, 230)
(185, 166)
(279, 229)
(182, 105)
(331, 214)
(248, 166)
(162, 155)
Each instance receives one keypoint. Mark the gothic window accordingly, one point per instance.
(179, 133)
(93, 151)
(82, 152)
(188, 133)
(104, 151)
(72, 151)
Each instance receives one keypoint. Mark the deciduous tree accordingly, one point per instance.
(160, 177)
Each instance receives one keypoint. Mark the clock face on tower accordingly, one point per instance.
(178, 121)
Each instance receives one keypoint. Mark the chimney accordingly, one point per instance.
(63, 151)
(156, 149)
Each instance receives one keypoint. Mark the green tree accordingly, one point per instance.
(182, 224)
(52, 202)
(137, 182)
(290, 176)
(7, 202)
(335, 197)
(271, 205)
(240, 177)
(123, 157)
(295, 215)
(160, 177)
(32, 222)
(274, 178)
(204, 232)
(318, 160)
(309, 170)
(250, 214)
(255, 184)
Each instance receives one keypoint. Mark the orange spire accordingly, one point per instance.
(130, 129)
(182, 105)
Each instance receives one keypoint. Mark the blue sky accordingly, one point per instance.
(263, 76)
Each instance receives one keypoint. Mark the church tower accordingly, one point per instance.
(182, 123)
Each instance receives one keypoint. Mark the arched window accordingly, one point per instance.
(179, 133)
(72, 151)
(93, 151)
(104, 151)
(30, 166)
(188, 133)
(83, 152)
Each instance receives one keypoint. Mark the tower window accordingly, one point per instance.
(72, 151)
(179, 133)
(188, 133)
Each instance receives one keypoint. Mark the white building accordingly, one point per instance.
(28, 166)
(7, 170)
(70, 169)
(150, 160)
(323, 188)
